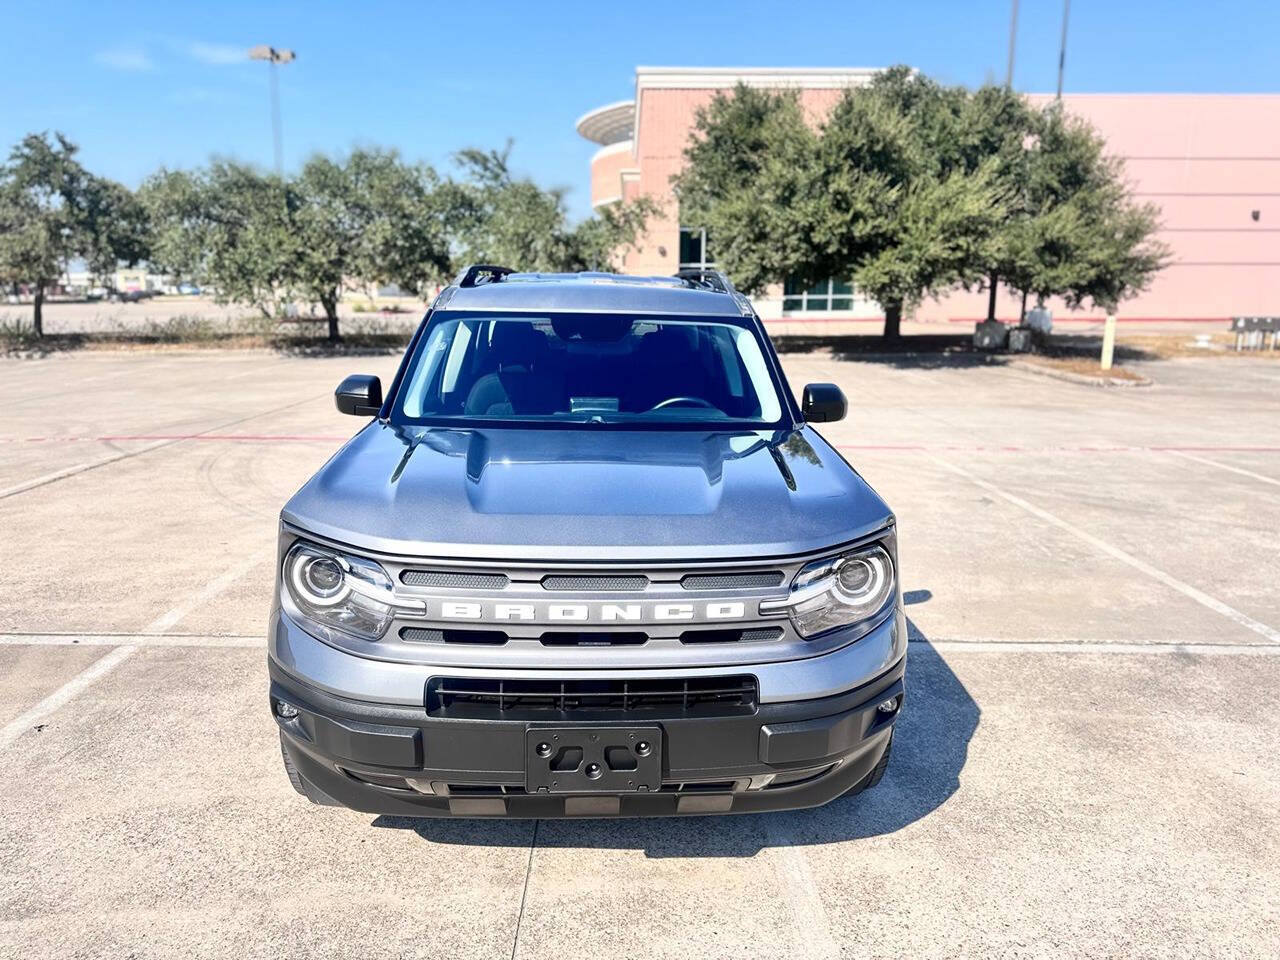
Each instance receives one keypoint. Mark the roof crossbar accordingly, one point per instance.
(477, 274)
(707, 278)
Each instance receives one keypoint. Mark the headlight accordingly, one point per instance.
(338, 590)
(838, 592)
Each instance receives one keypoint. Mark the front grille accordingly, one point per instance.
(749, 635)
(481, 698)
(456, 581)
(429, 635)
(587, 583)
(732, 581)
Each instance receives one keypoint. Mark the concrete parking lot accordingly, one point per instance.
(1088, 765)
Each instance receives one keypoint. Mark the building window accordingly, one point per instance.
(693, 249)
(823, 295)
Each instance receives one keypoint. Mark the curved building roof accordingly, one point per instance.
(611, 123)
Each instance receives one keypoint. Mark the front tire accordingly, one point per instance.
(301, 785)
(876, 774)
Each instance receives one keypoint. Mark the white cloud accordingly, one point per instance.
(218, 54)
(131, 59)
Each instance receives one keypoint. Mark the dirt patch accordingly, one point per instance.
(1080, 369)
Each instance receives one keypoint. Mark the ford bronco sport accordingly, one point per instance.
(587, 558)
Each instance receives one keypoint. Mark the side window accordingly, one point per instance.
(823, 295)
(694, 252)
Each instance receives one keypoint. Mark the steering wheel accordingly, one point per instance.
(672, 401)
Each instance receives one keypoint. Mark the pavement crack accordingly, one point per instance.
(524, 893)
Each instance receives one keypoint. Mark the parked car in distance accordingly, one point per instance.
(131, 296)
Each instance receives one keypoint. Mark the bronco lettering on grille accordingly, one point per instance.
(585, 612)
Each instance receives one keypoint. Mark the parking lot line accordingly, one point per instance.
(1186, 589)
(105, 664)
(71, 471)
(795, 879)
(20, 724)
(1223, 466)
(524, 891)
(210, 590)
(1112, 647)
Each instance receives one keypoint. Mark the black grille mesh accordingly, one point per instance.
(459, 581)
(732, 581)
(429, 635)
(483, 697)
(721, 635)
(589, 583)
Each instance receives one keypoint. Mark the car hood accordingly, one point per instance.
(579, 494)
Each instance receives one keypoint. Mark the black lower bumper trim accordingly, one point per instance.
(397, 760)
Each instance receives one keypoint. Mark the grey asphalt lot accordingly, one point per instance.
(1088, 764)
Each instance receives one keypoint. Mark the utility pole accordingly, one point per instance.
(274, 57)
(1062, 48)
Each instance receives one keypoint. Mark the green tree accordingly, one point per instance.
(367, 219)
(117, 228)
(911, 188)
(997, 126)
(228, 227)
(912, 212)
(501, 218)
(882, 191)
(52, 210)
(749, 181)
(408, 241)
(1079, 235)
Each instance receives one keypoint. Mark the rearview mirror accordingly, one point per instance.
(824, 403)
(360, 395)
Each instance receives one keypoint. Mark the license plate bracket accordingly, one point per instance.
(584, 759)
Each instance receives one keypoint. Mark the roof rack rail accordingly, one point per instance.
(706, 278)
(477, 274)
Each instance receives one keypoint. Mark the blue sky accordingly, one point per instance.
(140, 85)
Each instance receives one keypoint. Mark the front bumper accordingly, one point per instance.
(813, 736)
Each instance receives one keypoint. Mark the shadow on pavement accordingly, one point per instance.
(930, 747)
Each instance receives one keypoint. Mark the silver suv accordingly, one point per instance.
(587, 558)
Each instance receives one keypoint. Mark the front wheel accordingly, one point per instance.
(301, 785)
(876, 774)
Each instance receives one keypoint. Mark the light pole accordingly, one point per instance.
(1013, 41)
(273, 57)
(1062, 50)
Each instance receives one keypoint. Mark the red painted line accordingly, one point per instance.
(1119, 319)
(978, 448)
(223, 437)
(1010, 321)
(237, 438)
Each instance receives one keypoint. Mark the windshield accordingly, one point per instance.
(588, 368)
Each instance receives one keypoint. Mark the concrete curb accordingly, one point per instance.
(1080, 378)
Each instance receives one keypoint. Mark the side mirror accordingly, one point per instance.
(360, 395)
(824, 403)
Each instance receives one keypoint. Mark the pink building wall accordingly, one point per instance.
(1208, 161)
